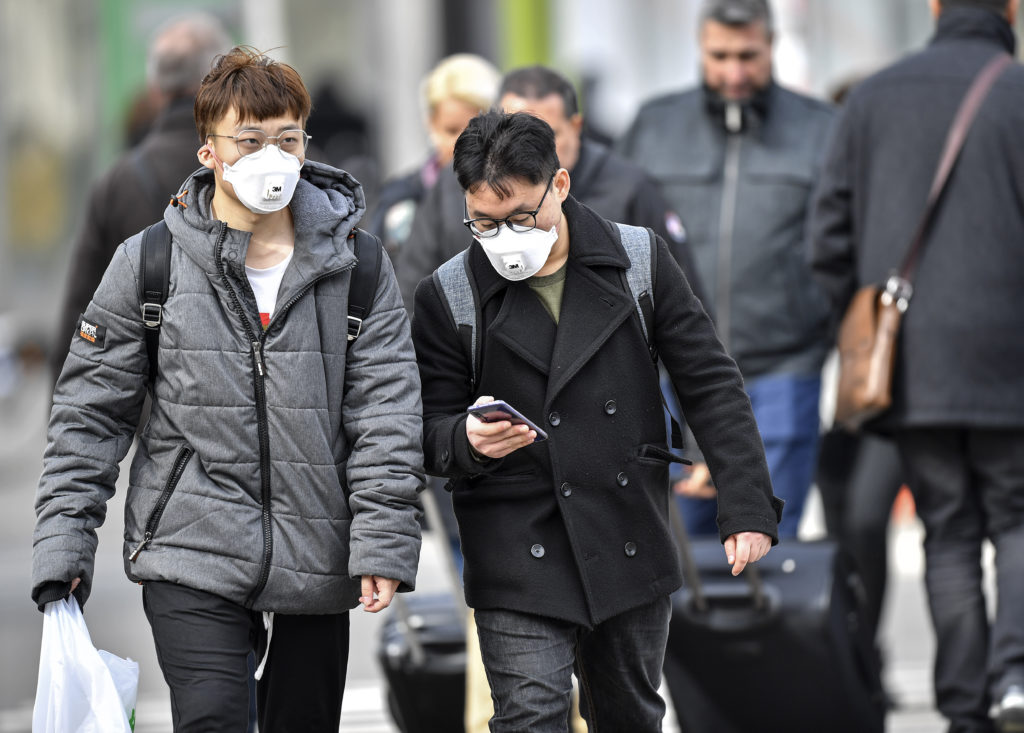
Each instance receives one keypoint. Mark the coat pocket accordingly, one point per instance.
(177, 469)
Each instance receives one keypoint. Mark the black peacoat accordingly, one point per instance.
(576, 527)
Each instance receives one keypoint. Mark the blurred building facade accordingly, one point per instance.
(70, 71)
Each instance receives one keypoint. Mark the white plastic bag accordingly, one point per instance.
(80, 689)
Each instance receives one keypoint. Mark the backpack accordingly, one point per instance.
(458, 291)
(155, 266)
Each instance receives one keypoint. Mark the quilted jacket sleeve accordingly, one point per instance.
(384, 425)
(96, 407)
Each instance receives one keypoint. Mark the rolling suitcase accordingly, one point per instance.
(781, 650)
(422, 651)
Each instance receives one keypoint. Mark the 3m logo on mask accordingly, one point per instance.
(92, 332)
(273, 188)
(513, 264)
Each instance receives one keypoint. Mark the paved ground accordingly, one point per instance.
(117, 623)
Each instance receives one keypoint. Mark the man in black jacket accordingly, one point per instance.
(613, 187)
(958, 395)
(569, 559)
(134, 192)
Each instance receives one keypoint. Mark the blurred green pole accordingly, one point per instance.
(524, 30)
(123, 69)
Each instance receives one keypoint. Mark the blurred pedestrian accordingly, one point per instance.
(602, 180)
(138, 187)
(456, 90)
(958, 395)
(275, 485)
(565, 567)
(737, 157)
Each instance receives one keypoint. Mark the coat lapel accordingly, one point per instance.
(524, 327)
(592, 309)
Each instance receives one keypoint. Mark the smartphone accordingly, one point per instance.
(500, 410)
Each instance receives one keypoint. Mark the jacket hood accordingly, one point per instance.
(326, 206)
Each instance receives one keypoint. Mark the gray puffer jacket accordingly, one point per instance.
(277, 467)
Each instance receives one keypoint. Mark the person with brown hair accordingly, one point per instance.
(275, 485)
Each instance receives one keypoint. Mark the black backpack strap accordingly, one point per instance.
(364, 280)
(155, 269)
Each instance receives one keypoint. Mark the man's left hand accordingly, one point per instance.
(746, 547)
(377, 593)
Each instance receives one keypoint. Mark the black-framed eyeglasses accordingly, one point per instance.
(521, 221)
(253, 141)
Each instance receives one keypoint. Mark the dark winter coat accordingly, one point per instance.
(602, 180)
(576, 527)
(126, 199)
(961, 348)
(744, 199)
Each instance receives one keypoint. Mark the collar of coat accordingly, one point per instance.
(975, 23)
(594, 304)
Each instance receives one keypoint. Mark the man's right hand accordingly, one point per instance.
(496, 439)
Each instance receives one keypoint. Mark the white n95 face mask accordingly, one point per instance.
(265, 180)
(518, 255)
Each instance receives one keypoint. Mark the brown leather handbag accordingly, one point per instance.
(870, 327)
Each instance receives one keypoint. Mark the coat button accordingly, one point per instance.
(554, 418)
(630, 549)
(444, 455)
(537, 550)
(566, 490)
(622, 479)
(610, 407)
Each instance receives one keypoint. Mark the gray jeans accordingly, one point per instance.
(530, 661)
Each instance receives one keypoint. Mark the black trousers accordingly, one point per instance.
(202, 642)
(859, 477)
(968, 486)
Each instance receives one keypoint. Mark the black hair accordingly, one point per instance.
(497, 148)
(737, 13)
(537, 82)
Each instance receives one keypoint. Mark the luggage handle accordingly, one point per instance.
(698, 595)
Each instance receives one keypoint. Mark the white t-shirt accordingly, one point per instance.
(265, 284)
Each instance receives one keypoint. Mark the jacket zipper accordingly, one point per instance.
(263, 430)
(726, 229)
(177, 469)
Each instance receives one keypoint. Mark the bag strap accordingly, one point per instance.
(898, 288)
(452, 281)
(155, 267)
(364, 279)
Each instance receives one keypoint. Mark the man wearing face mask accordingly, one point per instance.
(738, 158)
(569, 559)
(275, 486)
(604, 181)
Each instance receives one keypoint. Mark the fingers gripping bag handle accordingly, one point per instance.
(80, 689)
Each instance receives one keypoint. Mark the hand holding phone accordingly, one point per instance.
(498, 411)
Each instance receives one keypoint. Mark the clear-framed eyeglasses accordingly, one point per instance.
(248, 142)
(521, 221)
